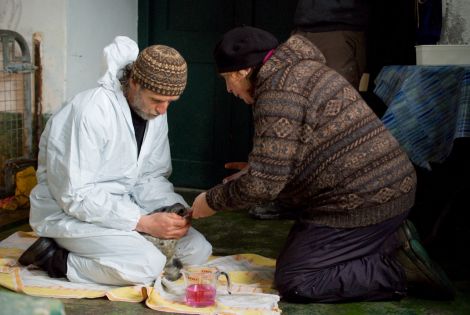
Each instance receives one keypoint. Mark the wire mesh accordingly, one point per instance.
(15, 97)
(11, 116)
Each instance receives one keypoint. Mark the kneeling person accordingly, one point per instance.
(320, 151)
(104, 160)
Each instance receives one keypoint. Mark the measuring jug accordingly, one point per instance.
(201, 285)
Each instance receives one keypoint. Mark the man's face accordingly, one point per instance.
(239, 85)
(148, 104)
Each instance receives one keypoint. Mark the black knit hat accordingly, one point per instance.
(243, 47)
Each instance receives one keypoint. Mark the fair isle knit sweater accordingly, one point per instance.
(318, 147)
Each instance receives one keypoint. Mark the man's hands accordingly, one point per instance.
(163, 225)
(200, 207)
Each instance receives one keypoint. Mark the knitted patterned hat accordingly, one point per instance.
(161, 69)
(243, 47)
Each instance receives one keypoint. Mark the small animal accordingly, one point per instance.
(173, 266)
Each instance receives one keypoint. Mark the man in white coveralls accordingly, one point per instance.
(104, 160)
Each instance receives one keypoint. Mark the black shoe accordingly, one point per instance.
(38, 253)
(424, 277)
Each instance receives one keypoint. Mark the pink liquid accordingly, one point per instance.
(200, 295)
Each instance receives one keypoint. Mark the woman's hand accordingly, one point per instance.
(242, 166)
(200, 207)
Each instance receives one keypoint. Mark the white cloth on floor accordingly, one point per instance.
(251, 276)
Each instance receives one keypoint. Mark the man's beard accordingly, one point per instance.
(138, 106)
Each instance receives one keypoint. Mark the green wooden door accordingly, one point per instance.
(208, 126)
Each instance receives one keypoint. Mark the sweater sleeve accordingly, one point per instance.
(278, 121)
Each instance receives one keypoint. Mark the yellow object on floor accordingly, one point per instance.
(25, 181)
(251, 276)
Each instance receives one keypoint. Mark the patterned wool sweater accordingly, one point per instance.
(318, 148)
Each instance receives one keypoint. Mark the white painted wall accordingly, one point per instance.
(47, 17)
(73, 33)
(456, 22)
(91, 26)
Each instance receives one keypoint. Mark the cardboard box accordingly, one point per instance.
(443, 55)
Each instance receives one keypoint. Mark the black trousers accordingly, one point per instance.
(324, 264)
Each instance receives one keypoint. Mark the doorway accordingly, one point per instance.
(207, 126)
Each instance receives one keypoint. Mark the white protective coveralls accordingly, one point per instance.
(92, 188)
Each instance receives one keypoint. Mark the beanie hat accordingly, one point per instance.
(243, 47)
(160, 69)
